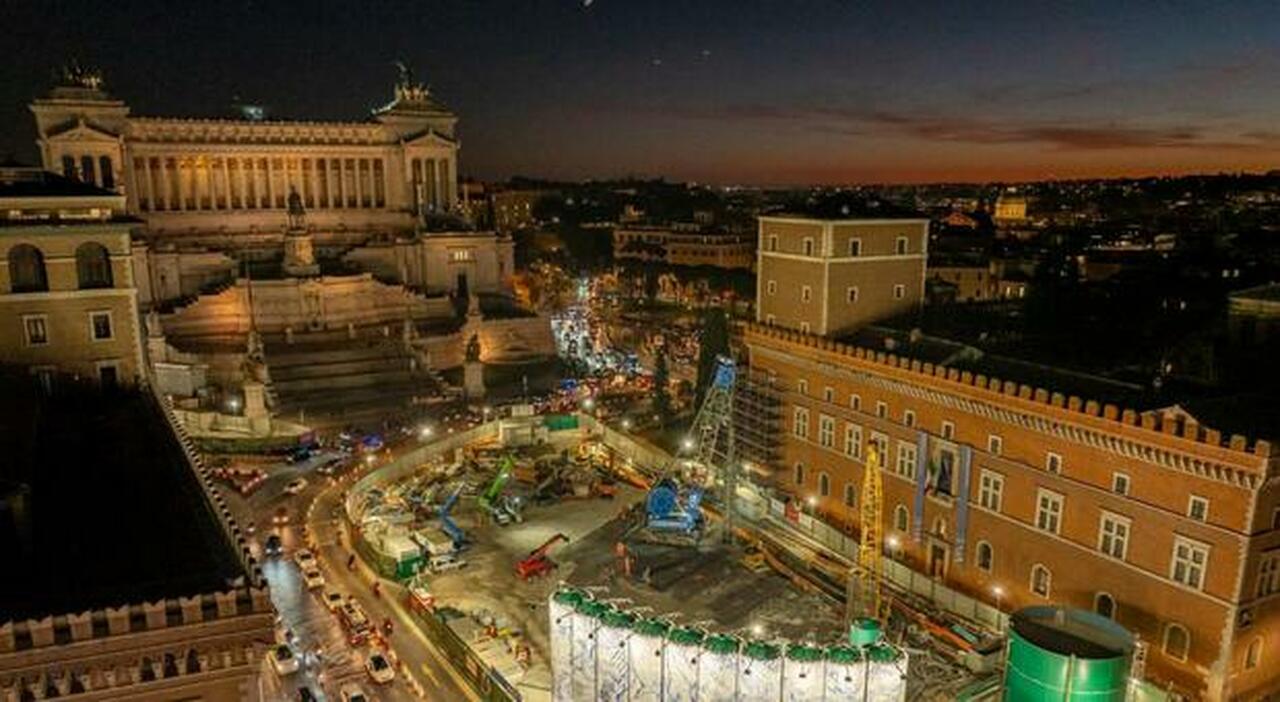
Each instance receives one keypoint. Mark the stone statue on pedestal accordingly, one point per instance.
(473, 370)
(299, 252)
(297, 214)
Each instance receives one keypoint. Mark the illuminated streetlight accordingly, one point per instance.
(687, 443)
(588, 404)
(233, 404)
(426, 432)
(757, 630)
(813, 502)
(999, 593)
(626, 424)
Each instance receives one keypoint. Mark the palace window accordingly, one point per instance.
(461, 255)
(1120, 483)
(93, 266)
(853, 441)
(69, 167)
(36, 329)
(900, 246)
(1053, 462)
(991, 490)
(808, 246)
(826, 431)
(1177, 642)
(1041, 580)
(771, 287)
(984, 556)
(1049, 511)
(108, 173)
(100, 326)
(899, 291)
(1190, 560)
(1105, 605)
(824, 484)
(1113, 535)
(829, 394)
(802, 386)
(855, 404)
(799, 474)
(800, 423)
(901, 518)
(850, 494)
(906, 465)
(882, 410)
(1268, 576)
(909, 418)
(806, 293)
(948, 430)
(994, 444)
(26, 269)
(771, 244)
(881, 443)
(851, 294)
(1198, 508)
(855, 249)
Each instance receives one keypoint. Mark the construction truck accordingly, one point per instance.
(503, 509)
(671, 516)
(537, 562)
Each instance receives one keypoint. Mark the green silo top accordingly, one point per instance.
(722, 643)
(843, 654)
(619, 619)
(570, 597)
(653, 627)
(592, 608)
(761, 650)
(804, 653)
(864, 631)
(883, 653)
(687, 635)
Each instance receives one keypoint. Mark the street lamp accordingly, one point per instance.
(687, 443)
(233, 405)
(588, 404)
(425, 433)
(999, 593)
(626, 424)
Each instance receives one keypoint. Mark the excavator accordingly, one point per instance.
(447, 524)
(503, 509)
(537, 562)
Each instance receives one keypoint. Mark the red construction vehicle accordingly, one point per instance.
(537, 562)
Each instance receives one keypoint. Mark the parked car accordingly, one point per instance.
(296, 486)
(379, 668)
(283, 660)
(273, 545)
(313, 578)
(304, 558)
(281, 516)
(352, 692)
(333, 600)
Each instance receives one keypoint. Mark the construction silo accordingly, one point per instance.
(1060, 654)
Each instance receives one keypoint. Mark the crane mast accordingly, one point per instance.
(864, 582)
(714, 433)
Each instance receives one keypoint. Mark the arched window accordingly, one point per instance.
(1041, 580)
(824, 484)
(1253, 654)
(940, 527)
(799, 476)
(26, 269)
(984, 555)
(108, 173)
(901, 518)
(69, 167)
(1105, 605)
(850, 494)
(93, 266)
(86, 169)
(1177, 641)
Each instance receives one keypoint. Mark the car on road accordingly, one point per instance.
(333, 600)
(379, 668)
(304, 558)
(313, 578)
(352, 692)
(281, 516)
(273, 545)
(296, 486)
(283, 660)
(330, 466)
(355, 623)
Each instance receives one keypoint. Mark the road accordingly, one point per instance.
(424, 668)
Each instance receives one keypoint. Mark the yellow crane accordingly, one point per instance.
(864, 583)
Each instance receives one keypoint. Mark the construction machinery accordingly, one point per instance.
(863, 596)
(504, 509)
(713, 434)
(538, 562)
(446, 522)
(672, 516)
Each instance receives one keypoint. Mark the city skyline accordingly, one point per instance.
(863, 94)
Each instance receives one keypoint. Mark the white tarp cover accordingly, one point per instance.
(561, 652)
(584, 657)
(844, 681)
(888, 681)
(612, 664)
(760, 679)
(718, 674)
(645, 667)
(802, 681)
(680, 681)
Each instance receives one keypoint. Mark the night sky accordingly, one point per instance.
(785, 92)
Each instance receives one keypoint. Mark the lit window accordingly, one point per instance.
(906, 465)
(800, 427)
(994, 444)
(1041, 580)
(853, 440)
(771, 287)
(851, 294)
(850, 494)
(991, 490)
(983, 556)
(899, 291)
(1049, 511)
(1053, 463)
(900, 246)
(826, 431)
(1198, 508)
(1105, 605)
(100, 325)
(1268, 576)
(948, 430)
(1177, 642)
(901, 518)
(855, 248)
(1190, 560)
(460, 255)
(806, 293)
(1120, 483)
(36, 327)
(1113, 535)
(909, 418)
(824, 484)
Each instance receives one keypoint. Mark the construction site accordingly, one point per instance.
(538, 538)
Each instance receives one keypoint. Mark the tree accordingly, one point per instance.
(661, 393)
(714, 342)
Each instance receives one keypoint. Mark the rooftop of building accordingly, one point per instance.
(115, 513)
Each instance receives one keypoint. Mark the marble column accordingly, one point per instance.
(151, 186)
(359, 182)
(226, 179)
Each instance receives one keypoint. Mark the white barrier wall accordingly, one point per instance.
(601, 653)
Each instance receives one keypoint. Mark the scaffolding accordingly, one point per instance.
(757, 414)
